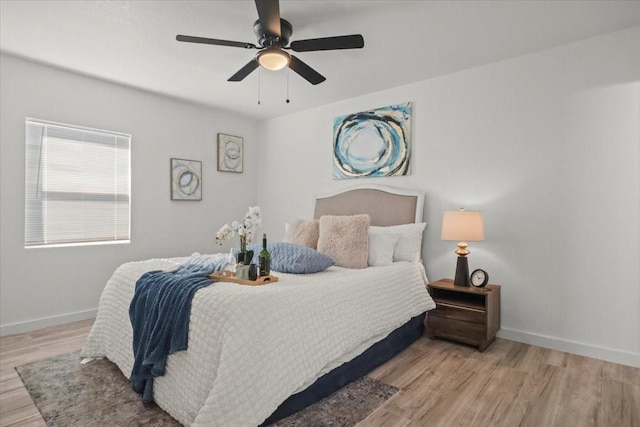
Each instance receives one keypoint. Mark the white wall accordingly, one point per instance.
(548, 146)
(40, 287)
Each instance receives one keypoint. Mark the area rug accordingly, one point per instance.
(70, 394)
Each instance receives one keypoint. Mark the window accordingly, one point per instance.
(77, 185)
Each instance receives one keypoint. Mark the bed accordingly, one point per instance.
(259, 353)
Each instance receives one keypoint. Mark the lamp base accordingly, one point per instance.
(462, 272)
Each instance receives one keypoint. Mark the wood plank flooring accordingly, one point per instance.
(510, 384)
(441, 384)
(16, 406)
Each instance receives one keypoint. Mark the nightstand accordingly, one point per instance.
(464, 313)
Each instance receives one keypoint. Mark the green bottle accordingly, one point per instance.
(264, 258)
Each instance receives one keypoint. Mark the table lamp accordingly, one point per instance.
(462, 226)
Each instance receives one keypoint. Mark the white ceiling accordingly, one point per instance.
(133, 42)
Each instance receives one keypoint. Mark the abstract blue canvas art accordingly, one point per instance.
(372, 143)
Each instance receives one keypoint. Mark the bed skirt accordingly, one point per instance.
(374, 356)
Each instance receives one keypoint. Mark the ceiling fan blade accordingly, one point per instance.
(203, 40)
(244, 71)
(269, 16)
(354, 41)
(308, 73)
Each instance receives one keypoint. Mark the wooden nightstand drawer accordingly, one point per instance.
(464, 313)
(458, 330)
(457, 312)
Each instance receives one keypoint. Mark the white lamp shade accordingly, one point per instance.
(273, 59)
(462, 226)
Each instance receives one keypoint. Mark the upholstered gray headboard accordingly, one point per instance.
(385, 205)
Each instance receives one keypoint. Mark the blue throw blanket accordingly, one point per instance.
(159, 314)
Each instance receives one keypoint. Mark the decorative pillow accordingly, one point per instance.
(345, 239)
(292, 258)
(409, 246)
(303, 232)
(381, 247)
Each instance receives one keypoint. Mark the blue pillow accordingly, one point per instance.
(292, 258)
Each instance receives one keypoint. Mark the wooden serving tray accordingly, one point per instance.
(230, 276)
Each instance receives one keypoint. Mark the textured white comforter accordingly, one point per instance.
(251, 347)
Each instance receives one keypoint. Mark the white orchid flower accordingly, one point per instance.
(245, 229)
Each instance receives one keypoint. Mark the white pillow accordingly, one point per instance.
(409, 246)
(381, 247)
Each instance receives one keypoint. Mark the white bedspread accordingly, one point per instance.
(251, 347)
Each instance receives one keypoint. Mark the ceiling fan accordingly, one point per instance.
(273, 37)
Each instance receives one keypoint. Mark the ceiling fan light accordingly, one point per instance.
(273, 59)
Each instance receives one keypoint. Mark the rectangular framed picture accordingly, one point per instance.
(230, 153)
(186, 179)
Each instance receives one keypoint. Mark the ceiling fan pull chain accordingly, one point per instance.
(287, 85)
(259, 74)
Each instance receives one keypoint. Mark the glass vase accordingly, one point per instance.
(244, 256)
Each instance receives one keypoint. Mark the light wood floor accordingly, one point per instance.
(16, 407)
(441, 384)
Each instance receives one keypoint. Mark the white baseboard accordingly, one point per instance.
(45, 322)
(602, 353)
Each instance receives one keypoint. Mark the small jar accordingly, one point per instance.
(253, 272)
(242, 272)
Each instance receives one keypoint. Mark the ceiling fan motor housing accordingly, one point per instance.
(267, 40)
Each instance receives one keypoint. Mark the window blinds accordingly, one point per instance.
(77, 185)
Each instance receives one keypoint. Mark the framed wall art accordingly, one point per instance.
(372, 143)
(186, 179)
(230, 153)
